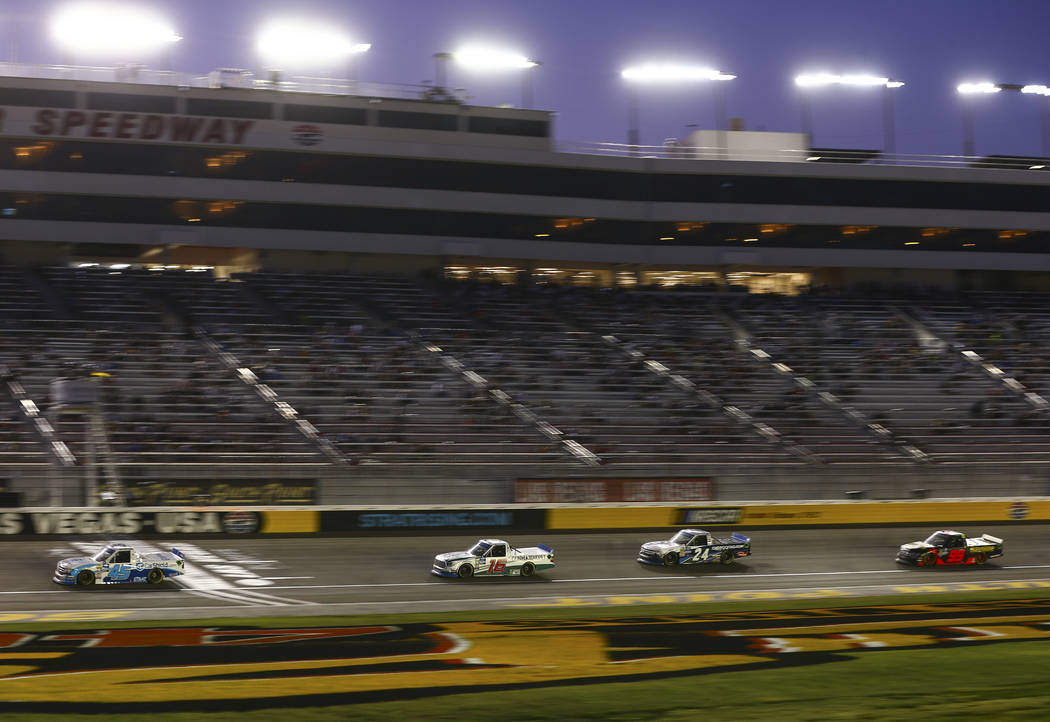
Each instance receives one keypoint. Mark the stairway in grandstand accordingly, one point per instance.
(331, 346)
(164, 400)
(394, 401)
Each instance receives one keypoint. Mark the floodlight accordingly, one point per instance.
(297, 42)
(810, 80)
(100, 27)
(1036, 89)
(672, 73)
(485, 58)
(863, 80)
(973, 88)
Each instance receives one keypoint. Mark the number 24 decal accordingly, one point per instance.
(496, 566)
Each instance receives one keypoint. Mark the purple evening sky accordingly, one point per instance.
(931, 45)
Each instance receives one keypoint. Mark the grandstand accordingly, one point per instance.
(429, 301)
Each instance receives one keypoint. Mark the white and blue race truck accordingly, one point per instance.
(494, 558)
(695, 546)
(120, 563)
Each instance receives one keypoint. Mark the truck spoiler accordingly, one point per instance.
(177, 553)
(740, 537)
(545, 548)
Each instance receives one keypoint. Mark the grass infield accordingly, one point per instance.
(996, 681)
(552, 612)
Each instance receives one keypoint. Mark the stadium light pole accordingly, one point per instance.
(818, 80)
(100, 28)
(968, 91)
(987, 88)
(1044, 116)
(306, 44)
(485, 59)
(654, 73)
(441, 69)
(527, 83)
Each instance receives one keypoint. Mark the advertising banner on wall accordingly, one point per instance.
(227, 492)
(433, 519)
(596, 491)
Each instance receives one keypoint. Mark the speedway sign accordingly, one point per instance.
(56, 124)
(139, 126)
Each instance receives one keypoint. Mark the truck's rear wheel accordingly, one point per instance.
(528, 569)
(726, 558)
(155, 576)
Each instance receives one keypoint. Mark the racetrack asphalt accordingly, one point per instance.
(232, 576)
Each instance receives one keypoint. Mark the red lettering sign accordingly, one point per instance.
(125, 125)
(45, 122)
(240, 127)
(185, 128)
(100, 124)
(216, 132)
(637, 490)
(152, 127)
(71, 119)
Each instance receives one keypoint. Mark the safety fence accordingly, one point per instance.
(41, 485)
(486, 520)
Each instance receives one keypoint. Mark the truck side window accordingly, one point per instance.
(122, 557)
(498, 550)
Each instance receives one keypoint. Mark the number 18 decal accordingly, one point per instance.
(496, 566)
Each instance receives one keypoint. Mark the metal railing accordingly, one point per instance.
(441, 483)
(235, 78)
(246, 79)
(801, 155)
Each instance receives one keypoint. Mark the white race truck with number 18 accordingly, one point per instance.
(494, 558)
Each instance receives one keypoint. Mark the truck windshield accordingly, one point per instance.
(479, 549)
(682, 537)
(103, 555)
(944, 540)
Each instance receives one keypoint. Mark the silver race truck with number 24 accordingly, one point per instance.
(494, 558)
(695, 546)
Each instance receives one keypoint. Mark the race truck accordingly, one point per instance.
(695, 546)
(494, 558)
(120, 563)
(947, 547)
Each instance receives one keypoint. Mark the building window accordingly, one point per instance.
(228, 108)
